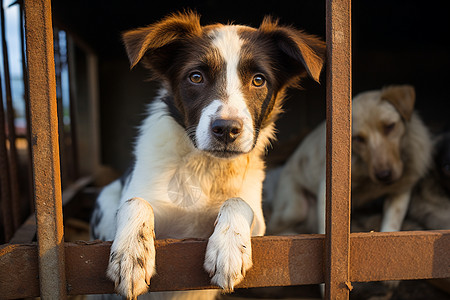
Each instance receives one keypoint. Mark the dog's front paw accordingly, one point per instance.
(131, 272)
(228, 257)
(132, 257)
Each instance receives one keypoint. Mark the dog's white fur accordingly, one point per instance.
(174, 155)
(178, 188)
(407, 151)
(229, 45)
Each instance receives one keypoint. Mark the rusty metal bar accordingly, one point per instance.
(60, 109)
(5, 187)
(72, 108)
(13, 159)
(338, 190)
(46, 171)
(277, 261)
(400, 255)
(27, 106)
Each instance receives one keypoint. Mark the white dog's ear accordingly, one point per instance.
(304, 52)
(402, 97)
(146, 41)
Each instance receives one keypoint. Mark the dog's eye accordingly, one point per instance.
(258, 80)
(196, 77)
(359, 139)
(388, 128)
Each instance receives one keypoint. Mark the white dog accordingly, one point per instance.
(391, 151)
(198, 167)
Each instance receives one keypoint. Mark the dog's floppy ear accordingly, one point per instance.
(173, 28)
(402, 97)
(305, 51)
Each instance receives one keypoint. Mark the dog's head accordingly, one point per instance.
(380, 120)
(225, 83)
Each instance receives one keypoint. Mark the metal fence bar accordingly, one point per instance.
(27, 106)
(62, 142)
(46, 170)
(400, 255)
(277, 261)
(72, 109)
(5, 187)
(13, 159)
(338, 192)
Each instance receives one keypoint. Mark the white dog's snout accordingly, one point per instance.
(226, 124)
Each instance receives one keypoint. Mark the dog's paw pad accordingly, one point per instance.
(131, 270)
(131, 274)
(132, 258)
(228, 257)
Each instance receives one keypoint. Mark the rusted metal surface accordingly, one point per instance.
(19, 271)
(45, 152)
(400, 255)
(277, 261)
(26, 97)
(179, 265)
(13, 160)
(337, 250)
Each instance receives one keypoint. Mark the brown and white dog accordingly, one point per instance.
(198, 168)
(391, 151)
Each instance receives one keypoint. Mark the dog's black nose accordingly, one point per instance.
(384, 175)
(226, 130)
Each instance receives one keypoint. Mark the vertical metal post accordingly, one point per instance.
(5, 187)
(46, 169)
(337, 241)
(59, 101)
(13, 161)
(27, 106)
(72, 108)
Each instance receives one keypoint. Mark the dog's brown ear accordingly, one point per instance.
(174, 27)
(402, 97)
(305, 51)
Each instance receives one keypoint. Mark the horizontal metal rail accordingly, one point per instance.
(278, 261)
